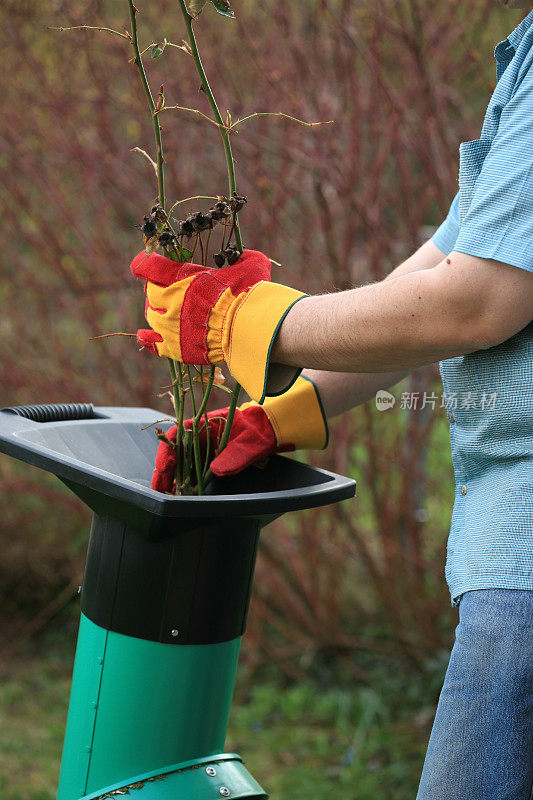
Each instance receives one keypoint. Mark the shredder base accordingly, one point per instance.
(191, 780)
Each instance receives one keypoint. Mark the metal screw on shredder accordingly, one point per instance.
(211, 771)
(175, 632)
(224, 791)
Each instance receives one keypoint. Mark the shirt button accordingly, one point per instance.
(451, 417)
(464, 489)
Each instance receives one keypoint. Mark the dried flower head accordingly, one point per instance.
(185, 228)
(220, 211)
(158, 214)
(201, 222)
(148, 228)
(237, 202)
(232, 254)
(166, 237)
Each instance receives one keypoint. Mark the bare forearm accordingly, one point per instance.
(426, 257)
(464, 304)
(342, 391)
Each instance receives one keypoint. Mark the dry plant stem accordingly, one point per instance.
(207, 247)
(232, 189)
(196, 437)
(196, 429)
(227, 428)
(207, 431)
(157, 128)
(186, 487)
(195, 246)
(202, 254)
(175, 370)
(179, 403)
(214, 107)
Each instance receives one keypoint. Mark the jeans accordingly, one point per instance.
(481, 745)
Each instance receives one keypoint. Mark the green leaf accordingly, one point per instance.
(195, 7)
(157, 49)
(224, 8)
(185, 255)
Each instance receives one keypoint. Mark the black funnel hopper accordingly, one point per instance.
(107, 458)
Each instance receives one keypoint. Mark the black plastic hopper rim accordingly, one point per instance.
(54, 412)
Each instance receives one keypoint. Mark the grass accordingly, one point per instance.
(350, 741)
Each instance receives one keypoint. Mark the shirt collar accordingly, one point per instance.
(503, 49)
(517, 35)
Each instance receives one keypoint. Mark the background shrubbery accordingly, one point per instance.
(340, 592)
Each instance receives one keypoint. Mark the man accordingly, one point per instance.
(465, 298)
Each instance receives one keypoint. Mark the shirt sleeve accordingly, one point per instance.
(499, 221)
(446, 235)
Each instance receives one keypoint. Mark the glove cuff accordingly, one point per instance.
(250, 327)
(297, 417)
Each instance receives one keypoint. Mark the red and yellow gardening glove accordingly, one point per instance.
(293, 421)
(203, 315)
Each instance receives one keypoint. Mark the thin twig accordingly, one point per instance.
(187, 199)
(145, 154)
(167, 419)
(192, 111)
(167, 44)
(90, 28)
(107, 335)
(144, 81)
(278, 114)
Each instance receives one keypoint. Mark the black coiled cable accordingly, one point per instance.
(54, 412)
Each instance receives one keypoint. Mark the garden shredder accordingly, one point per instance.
(164, 602)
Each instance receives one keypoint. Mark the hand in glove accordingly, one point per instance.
(204, 315)
(292, 421)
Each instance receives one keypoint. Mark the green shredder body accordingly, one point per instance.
(164, 602)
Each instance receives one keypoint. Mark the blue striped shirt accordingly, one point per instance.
(489, 393)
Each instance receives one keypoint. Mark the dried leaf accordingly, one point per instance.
(169, 394)
(150, 245)
(195, 7)
(158, 49)
(219, 379)
(224, 8)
